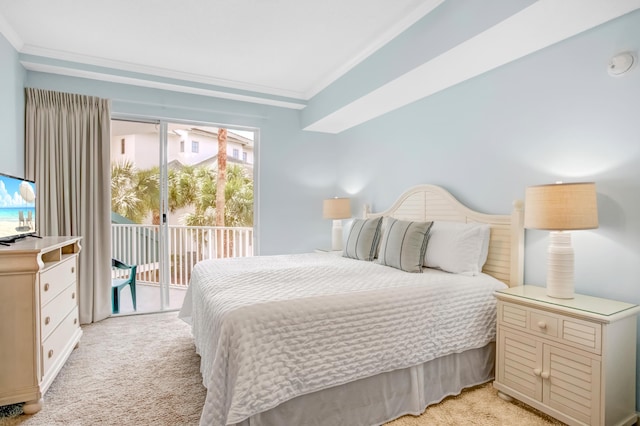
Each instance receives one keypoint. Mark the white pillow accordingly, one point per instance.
(460, 248)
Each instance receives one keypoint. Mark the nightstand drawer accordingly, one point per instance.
(582, 334)
(513, 315)
(543, 322)
(561, 328)
(528, 319)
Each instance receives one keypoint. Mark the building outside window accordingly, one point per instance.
(122, 144)
(236, 153)
(195, 146)
(181, 146)
(244, 156)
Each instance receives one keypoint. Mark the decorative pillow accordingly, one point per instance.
(403, 244)
(460, 248)
(362, 242)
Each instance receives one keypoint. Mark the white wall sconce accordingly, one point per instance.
(559, 208)
(336, 209)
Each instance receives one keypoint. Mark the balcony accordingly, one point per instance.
(139, 245)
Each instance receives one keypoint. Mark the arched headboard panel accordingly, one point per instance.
(434, 203)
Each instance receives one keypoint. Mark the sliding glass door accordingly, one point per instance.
(165, 194)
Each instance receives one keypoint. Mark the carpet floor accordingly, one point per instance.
(143, 370)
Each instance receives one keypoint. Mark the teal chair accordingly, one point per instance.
(118, 284)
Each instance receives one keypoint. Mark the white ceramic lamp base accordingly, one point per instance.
(560, 266)
(336, 235)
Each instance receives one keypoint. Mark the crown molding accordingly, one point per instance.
(155, 71)
(143, 82)
(10, 34)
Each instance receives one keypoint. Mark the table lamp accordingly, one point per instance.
(559, 208)
(336, 209)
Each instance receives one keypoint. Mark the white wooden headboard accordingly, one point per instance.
(506, 246)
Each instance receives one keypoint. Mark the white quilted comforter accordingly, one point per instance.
(274, 327)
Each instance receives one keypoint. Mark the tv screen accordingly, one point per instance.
(17, 208)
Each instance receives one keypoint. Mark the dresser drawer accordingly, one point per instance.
(56, 310)
(54, 346)
(56, 279)
(555, 326)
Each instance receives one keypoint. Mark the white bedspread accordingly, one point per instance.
(274, 327)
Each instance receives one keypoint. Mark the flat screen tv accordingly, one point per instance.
(17, 208)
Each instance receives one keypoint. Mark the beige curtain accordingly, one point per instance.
(67, 148)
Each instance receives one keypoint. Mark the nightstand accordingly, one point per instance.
(574, 359)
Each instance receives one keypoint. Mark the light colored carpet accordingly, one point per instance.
(143, 370)
(479, 406)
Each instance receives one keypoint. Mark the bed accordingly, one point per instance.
(324, 339)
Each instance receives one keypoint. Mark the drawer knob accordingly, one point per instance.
(75, 321)
(50, 353)
(545, 374)
(542, 324)
(73, 269)
(537, 372)
(46, 287)
(73, 295)
(47, 320)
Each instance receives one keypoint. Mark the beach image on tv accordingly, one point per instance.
(17, 207)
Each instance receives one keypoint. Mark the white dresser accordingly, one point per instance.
(574, 359)
(39, 323)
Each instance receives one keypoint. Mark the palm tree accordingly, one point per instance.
(148, 186)
(239, 197)
(200, 186)
(221, 182)
(182, 188)
(134, 193)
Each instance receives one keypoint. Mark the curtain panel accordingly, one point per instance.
(67, 151)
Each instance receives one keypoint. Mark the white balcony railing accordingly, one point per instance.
(139, 245)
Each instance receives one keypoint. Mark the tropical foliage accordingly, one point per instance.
(136, 193)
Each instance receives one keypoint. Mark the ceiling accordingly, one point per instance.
(281, 52)
(290, 48)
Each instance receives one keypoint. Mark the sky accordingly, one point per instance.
(10, 194)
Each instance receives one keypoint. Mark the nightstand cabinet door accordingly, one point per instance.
(573, 383)
(519, 359)
(564, 380)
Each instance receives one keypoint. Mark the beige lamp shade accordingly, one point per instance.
(561, 206)
(336, 208)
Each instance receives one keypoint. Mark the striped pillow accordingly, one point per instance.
(404, 244)
(362, 243)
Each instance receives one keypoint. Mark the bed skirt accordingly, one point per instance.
(379, 399)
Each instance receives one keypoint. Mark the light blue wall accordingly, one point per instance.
(554, 115)
(12, 76)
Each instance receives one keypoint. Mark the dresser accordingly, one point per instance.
(39, 323)
(574, 359)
